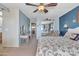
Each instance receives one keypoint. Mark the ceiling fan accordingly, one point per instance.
(41, 7)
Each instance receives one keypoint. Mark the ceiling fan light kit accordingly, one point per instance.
(41, 7)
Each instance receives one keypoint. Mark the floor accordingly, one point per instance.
(23, 50)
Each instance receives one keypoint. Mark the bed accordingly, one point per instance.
(57, 46)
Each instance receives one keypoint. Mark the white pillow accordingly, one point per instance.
(72, 35)
(69, 35)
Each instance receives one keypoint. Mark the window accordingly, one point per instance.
(0, 21)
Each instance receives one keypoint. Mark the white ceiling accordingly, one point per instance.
(57, 11)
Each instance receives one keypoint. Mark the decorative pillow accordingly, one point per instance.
(76, 37)
(72, 35)
(69, 35)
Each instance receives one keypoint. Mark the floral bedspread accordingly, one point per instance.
(57, 46)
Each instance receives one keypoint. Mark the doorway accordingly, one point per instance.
(33, 29)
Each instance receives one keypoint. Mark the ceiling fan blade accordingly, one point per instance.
(41, 3)
(45, 10)
(51, 4)
(30, 4)
(35, 10)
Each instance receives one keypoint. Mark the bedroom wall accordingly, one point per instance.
(23, 21)
(10, 31)
(69, 19)
(12, 21)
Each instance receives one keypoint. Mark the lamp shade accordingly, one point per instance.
(65, 26)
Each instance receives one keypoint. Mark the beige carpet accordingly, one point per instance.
(23, 50)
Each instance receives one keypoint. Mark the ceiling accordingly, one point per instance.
(56, 11)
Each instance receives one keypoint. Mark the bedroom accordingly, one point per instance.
(53, 29)
(66, 42)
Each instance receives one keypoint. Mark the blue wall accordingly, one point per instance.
(24, 21)
(68, 19)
